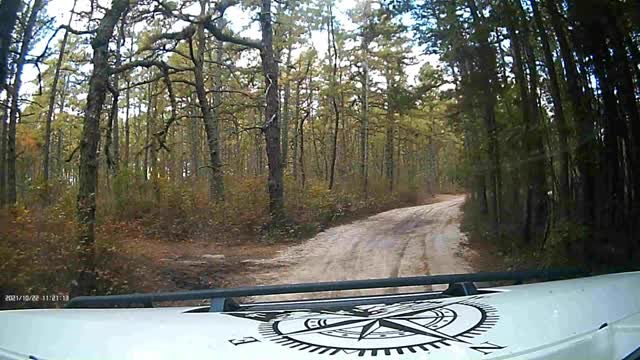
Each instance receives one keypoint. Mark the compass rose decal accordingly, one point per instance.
(387, 329)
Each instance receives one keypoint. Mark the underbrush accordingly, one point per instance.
(184, 211)
(561, 246)
(38, 255)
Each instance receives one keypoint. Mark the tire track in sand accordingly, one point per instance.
(411, 241)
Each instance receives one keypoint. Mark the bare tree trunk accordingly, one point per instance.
(216, 185)
(61, 106)
(195, 141)
(286, 111)
(88, 173)
(364, 122)
(301, 128)
(258, 154)
(127, 128)
(154, 172)
(147, 132)
(389, 132)
(59, 169)
(295, 127)
(334, 102)
(388, 152)
(116, 107)
(301, 157)
(3, 153)
(218, 176)
(127, 125)
(112, 136)
(272, 126)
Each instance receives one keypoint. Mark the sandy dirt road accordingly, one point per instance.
(410, 241)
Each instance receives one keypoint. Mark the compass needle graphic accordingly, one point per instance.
(426, 324)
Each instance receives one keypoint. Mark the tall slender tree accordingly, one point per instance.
(85, 282)
(52, 100)
(15, 97)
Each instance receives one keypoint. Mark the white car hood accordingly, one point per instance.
(589, 318)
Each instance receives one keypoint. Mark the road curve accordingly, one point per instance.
(409, 241)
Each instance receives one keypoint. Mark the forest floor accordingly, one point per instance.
(416, 240)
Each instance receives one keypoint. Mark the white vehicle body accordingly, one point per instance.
(588, 318)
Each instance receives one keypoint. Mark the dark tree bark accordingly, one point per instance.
(115, 104)
(286, 111)
(127, 128)
(215, 125)
(534, 166)
(127, 125)
(487, 82)
(564, 195)
(301, 127)
(621, 69)
(3, 152)
(216, 179)
(584, 157)
(194, 136)
(85, 282)
(525, 109)
(8, 17)
(147, 133)
(112, 138)
(389, 146)
(15, 95)
(59, 169)
(272, 125)
(298, 141)
(388, 151)
(334, 101)
(154, 172)
(297, 105)
(364, 121)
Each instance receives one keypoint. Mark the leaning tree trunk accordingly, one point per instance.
(13, 115)
(88, 172)
(272, 126)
